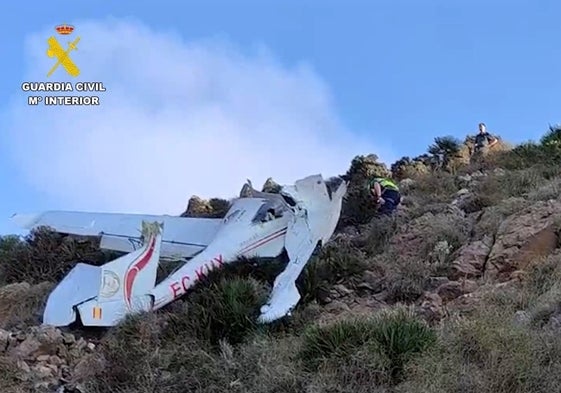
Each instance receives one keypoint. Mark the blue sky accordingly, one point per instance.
(399, 73)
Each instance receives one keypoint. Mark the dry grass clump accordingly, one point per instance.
(22, 304)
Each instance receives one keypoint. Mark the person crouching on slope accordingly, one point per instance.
(386, 194)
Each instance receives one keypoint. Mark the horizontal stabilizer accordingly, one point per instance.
(104, 295)
(80, 285)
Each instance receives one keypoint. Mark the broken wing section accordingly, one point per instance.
(299, 245)
(184, 236)
(317, 212)
(104, 295)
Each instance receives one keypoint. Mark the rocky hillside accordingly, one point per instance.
(460, 291)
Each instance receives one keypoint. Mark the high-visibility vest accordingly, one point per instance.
(384, 183)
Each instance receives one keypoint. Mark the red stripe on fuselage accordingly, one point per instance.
(136, 267)
(263, 241)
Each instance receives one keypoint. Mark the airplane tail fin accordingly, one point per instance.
(103, 295)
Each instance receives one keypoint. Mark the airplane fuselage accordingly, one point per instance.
(239, 236)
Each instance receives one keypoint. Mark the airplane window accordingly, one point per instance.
(288, 199)
(270, 210)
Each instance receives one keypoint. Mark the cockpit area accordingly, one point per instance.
(270, 210)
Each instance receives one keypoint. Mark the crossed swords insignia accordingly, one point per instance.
(62, 56)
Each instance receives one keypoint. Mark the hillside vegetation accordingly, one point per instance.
(459, 291)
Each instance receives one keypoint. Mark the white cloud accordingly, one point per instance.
(178, 118)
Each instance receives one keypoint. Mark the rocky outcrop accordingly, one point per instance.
(342, 301)
(454, 289)
(271, 186)
(359, 207)
(523, 238)
(212, 208)
(410, 168)
(470, 259)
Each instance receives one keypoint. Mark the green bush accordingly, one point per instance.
(338, 340)
(226, 309)
(400, 335)
(547, 152)
(396, 335)
(444, 150)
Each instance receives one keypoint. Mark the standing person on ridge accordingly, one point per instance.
(484, 141)
(386, 194)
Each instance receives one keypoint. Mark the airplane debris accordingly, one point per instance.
(298, 220)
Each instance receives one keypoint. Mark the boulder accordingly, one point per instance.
(454, 289)
(271, 186)
(522, 238)
(470, 259)
(212, 208)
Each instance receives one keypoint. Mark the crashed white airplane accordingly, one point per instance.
(297, 220)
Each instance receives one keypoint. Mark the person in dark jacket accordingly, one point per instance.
(484, 141)
(386, 194)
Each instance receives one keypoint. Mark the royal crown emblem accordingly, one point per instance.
(64, 29)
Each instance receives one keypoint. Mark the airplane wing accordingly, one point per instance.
(183, 238)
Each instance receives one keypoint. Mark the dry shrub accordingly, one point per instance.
(488, 353)
(405, 280)
(543, 290)
(535, 183)
(434, 187)
(266, 364)
(141, 358)
(22, 304)
(138, 360)
(492, 216)
(358, 206)
(338, 262)
(46, 256)
(493, 350)
(12, 378)
(133, 356)
(364, 371)
(381, 231)
(420, 249)
(547, 190)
